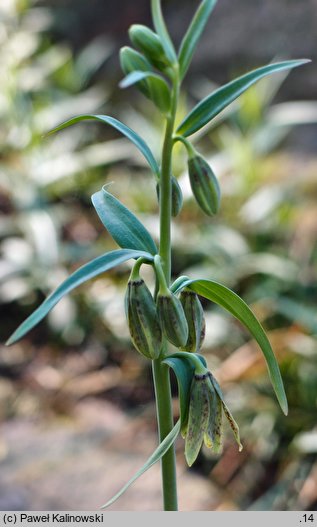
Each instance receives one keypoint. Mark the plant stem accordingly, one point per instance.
(165, 186)
(165, 424)
(160, 370)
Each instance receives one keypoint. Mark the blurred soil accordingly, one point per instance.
(79, 463)
(69, 443)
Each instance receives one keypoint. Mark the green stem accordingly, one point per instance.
(191, 150)
(200, 369)
(160, 370)
(135, 273)
(166, 186)
(165, 423)
(163, 288)
(161, 29)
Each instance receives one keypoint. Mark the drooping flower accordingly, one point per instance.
(205, 417)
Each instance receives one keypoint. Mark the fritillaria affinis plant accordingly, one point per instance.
(168, 327)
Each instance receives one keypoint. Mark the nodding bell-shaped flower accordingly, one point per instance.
(170, 310)
(204, 185)
(140, 308)
(194, 314)
(205, 423)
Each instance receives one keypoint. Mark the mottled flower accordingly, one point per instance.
(205, 424)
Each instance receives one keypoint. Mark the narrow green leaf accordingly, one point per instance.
(214, 103)
(137, 76)
(178, 282)
(184, 372)
(184, 369)
(124, 227)
(227, 299)
(162, 31)
(158, 87)
(86, 272)
(193, 34)
(156, 456)
(124, 129)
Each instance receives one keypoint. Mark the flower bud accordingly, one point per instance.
(177, 196)
(150, 44)
(194, 314)
(154, 87)
(132, 60)
(172, 318)
(142, 319)
(204, 185)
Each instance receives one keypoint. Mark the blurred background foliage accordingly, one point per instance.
(59, 59)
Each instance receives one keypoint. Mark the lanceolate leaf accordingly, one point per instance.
(161, 30)
(226, 298)
(156, 456)
(124, 129)
(213, 104)
(176, 286)
(124, 227)
(193, 34)
(184, 371)
(86, 272)
(159, 91)
(137, 76)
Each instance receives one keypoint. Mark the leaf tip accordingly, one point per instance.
(189, 460)
(299, 62)
(122, 83)
(283, 403)
(105, 505)
(106, 185)
(50, 132)
(15, 336)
